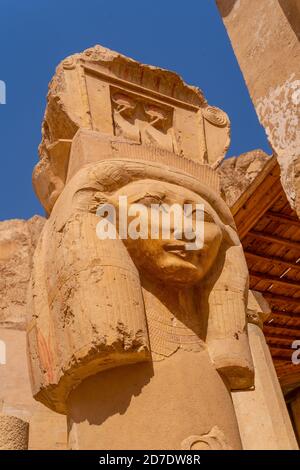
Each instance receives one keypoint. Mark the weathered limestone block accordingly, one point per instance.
(237, 173)
(120, 328)
(265, 38)
(13, 433)
(14, 379)
(18, 239)
(48, 430)
(262, 414)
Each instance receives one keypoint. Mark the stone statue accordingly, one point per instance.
(138, 342)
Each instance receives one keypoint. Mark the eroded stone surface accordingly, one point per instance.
(18, 239)
(13, 433)
(237, 173)
(265, 38)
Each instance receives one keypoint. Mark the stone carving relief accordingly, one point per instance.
(214, 440)
(142, 121)
(97, 305)
(104, 91)
(215, 118)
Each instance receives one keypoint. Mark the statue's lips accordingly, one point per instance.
(178, 249)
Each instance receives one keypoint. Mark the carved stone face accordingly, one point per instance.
(169, 260)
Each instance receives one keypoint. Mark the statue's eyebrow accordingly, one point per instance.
(208, 212)
(158, 196)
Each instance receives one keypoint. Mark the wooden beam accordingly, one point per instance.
(280, 343)
(269, 174)
(275, 280)
(280, 298)
(280, 362)
(287, 343)
(289, 378)
(259, 197)
(253, 215)
(281, 330)
(283, 354)
(282, 218)
(287, 315)
(267, 237)
(281, 350)
(282, 337)
(283, 347)
(272, 259)
(284, 359)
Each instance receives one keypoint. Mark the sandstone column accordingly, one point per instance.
(265, 37)
(262, 415)
(13, 433)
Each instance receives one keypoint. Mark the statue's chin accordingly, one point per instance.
(180, 275)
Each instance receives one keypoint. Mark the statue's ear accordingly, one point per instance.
(217, 134)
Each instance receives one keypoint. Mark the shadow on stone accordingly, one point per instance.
(225, 6)
(109, 393)
(291, 9)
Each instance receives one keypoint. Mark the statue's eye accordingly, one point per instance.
(150, 199)
(202, 215)
(208, 217)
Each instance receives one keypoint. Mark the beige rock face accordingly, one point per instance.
(265, 38)
(237, 173)
(125, 332)
(18, 239)
(13, 433)
(17, 243)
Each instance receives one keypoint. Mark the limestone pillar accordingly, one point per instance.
(261, 412)
(13, 433)
(265, 38)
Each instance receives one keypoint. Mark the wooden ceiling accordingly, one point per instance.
(270, 233)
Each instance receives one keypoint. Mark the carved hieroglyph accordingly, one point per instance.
(114, 127)
(214, 440)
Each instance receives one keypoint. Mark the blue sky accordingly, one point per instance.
(35, 35)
